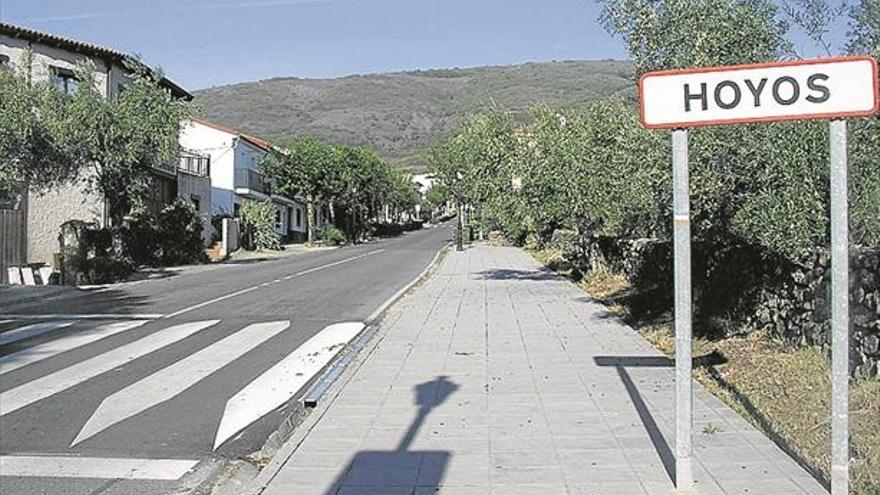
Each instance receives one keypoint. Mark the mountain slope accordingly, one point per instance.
(402, 114)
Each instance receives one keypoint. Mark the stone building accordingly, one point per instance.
(30, 223)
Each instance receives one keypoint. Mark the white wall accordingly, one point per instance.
(218, 145)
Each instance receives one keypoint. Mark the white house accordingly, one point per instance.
(235, 176)
(424, 182)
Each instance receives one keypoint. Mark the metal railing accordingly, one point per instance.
(196, 165)
(253, 180)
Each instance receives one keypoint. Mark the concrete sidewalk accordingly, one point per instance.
(498, 377)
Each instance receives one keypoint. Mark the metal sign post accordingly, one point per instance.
(839, 311)
(684, 418)
(834, 89)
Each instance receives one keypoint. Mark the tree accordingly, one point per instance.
(864, 31)
(815, 18)
(33, 150)
(307, 168)
(125, 139)
(474, 162)
(672, 34)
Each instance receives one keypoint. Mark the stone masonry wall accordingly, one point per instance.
(799, 310)
(786, 301)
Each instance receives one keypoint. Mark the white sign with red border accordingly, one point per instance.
(805, 89)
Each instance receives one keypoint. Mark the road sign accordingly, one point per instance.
(803, 89)
(833, 89)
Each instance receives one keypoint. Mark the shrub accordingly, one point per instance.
(333, 236)
(179, 229)
(174, 237)
(387, 229)
(101, 260)
(139, 238)
(258, 224)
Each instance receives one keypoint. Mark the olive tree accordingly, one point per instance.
(33, 151)
(670, 34)
(864, 34)
(123, 140)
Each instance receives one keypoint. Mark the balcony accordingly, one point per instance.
(194, 164)
(252, 181)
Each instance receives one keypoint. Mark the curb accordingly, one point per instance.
(377, 315)
(283, 454)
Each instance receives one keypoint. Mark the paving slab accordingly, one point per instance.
(496, 376)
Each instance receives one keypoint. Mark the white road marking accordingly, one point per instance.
(168, 382)
(282, 381)
(100, 316)
(3, 322)
(30, 392)
(32, 330)
(251, 289)
(95, 467)
(40, 352)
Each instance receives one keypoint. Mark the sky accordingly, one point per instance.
(202, 43)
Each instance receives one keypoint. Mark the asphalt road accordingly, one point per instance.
(118, 372)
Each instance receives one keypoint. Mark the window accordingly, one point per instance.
(278, 219)
(64, 80)
(299, 217)
(235, 210)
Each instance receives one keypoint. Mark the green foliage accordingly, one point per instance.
(864, 162)
(474, 164)
(180, 234)
(596, 169)
(101, 259)
(864, 31)
(173, 237)
(434, 204)
(33, 150)
(355, 180)
(332, 236)
(124, 139)
(111, 254)
(675, 34)
(258, 224)
(46, 137)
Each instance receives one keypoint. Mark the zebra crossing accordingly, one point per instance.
(29, 347)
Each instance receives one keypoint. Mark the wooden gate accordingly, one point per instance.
(13, 240)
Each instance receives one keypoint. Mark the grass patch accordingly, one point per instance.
(605, 285)
(783, 391)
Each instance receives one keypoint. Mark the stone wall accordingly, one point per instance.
(799, 311)
(748, 289)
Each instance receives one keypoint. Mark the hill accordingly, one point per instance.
(402, 114)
